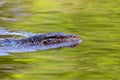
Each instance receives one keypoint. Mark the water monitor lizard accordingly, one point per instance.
(39, 42)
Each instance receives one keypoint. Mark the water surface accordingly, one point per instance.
(96, 22)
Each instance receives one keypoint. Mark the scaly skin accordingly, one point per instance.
(40, 42)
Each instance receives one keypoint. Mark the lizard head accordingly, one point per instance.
(59, 39)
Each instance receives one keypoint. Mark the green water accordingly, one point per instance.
(95, 21)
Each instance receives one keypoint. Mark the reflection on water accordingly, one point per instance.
(96, 22)
(11, 67)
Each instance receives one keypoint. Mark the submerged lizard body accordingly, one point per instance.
(39, 42)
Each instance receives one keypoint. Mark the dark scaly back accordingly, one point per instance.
(37, 39)
(32, 40)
